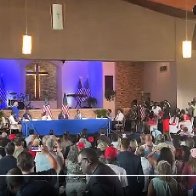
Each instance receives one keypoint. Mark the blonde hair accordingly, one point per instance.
(164, 168)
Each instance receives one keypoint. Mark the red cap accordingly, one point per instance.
(91, 139)
(80, 145)
(110, 153)
(12, 137)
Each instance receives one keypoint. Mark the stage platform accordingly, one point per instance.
(36, 113)
(59, 127)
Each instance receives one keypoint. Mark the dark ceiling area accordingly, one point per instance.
(176, 8)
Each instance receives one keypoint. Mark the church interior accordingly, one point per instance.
(64, 62)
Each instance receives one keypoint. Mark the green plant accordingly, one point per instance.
(1, 115)
(110, 94)
(92, 101)
(102, 113)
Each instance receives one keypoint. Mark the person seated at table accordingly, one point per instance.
(4, 121)
(78, 115)
(14, 125)
(118, 119)
(46, 116)
(62, 115)
(26, 116)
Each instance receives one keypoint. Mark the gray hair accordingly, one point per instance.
(73, 154)
(50, 143)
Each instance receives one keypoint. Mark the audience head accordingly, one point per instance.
(164, 168)
(4, 135)
(50, 144)
(102, 146)
(19, 141)
(73, 154)
(44, 139)
(148, 139)
(9, 148)
(125, 142)
(14, 181)
(185, 153)
(133, 145)
(140, 151)
(25, 162)
(87, 158)
(166, 154)
(110, 154)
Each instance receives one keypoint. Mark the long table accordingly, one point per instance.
(73, 126)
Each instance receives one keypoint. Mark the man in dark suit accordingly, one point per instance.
(132, 164)
(98, 185)
(6, 163)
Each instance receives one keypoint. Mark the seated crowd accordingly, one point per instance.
(151, 159)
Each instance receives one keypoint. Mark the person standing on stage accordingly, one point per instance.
(15, 111)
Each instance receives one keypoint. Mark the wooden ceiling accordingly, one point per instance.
(170, 7)
(179, 4)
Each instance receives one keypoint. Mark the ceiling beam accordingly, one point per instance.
(165, 9)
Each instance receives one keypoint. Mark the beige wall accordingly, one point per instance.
(108, 69)
(186, 68)
(101, 29)
(161, 85)
(104, 30)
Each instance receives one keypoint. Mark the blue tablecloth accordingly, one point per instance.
(43, 127)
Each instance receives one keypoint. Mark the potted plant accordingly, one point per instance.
(1, 115)
(110, 94)
(92, 102)
(102, 113)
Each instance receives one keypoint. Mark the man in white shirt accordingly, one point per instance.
(110, 155)
(156, 109)
(120, 116)
(118, 119)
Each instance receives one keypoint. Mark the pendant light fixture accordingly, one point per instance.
(27, 39)
(186, 44)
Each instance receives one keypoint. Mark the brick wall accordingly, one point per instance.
(48, 83)
(128, 83)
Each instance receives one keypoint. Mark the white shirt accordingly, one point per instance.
(119, 117)
(121, 172)
(46, 117)
(156, 110)
(194, 110)
(147, 168)
(13, 123)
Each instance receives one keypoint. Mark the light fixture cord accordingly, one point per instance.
(26, 17)
(186, 18)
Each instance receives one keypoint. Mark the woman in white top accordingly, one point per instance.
(46, 116)
(13, 123)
